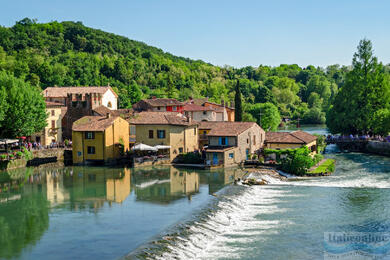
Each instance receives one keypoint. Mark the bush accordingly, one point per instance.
(27, 154)
(318, 158)
(66, 142)
(3, 157)
(298, 162)
(190, 158)
(19, 154)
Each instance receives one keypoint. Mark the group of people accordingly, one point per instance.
(359, 138)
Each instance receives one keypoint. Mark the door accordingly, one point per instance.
(247, 154)
(215, 158)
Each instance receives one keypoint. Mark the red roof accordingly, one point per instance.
(195, 107)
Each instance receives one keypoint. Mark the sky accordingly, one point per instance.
(237, 33)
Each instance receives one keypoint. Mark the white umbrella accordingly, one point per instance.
(161, 147)
(143, 147)
(8, 141)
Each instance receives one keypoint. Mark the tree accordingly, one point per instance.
(238, 103)
(26, 110)
(366, 90)
(130, 95)
(266, 115)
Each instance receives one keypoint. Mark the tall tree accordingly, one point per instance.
(26, 111)
(238, 103)
(366, 91)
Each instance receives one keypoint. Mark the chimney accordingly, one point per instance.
(108, 115)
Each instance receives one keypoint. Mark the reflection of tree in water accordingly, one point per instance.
(22, 223)
(359, 200)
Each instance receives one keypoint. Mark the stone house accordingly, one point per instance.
(79, 102)
(166, 128)
(53, 130)
(231, 143)
(200, 113)
(99, 139)
(223, 111)
(290, 140)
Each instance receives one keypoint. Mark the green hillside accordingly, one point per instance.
(71, 54)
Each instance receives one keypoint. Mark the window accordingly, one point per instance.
(161, 134)
(132, 130)
(74, 103)
(109, 104)
(53, 124)
(84, 103)
(223, 141)
(204, 112)
(91, 149)
(247, 140)
(174, 108)
(53, 113)
(231, 155)
(151, 134)
(181, 150)
(158, 108)
(254, 140)
(89, 135)
(195, 131)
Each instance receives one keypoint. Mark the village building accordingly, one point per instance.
(231, 143)
(99, 139)
(159, 105)
(290, 140)
(52, 133)
(200, 113)
(79, 102)
(166, 128)
(223, 111)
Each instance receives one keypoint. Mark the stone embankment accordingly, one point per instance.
(40, 157)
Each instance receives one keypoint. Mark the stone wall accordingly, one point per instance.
(380, 148)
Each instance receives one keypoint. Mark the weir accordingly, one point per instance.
(362, 146)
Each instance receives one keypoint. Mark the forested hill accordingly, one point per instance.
(71, 54)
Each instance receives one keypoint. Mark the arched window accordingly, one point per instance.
(109, 104)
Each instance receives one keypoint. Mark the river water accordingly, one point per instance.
(168, 213)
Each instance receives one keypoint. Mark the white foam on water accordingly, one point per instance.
(235, 222)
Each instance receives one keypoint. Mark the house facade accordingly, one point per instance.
(290, 140)
(98, 139)
(159, 105)
(231, 143)
(52, 133)
(199, 113)
(79, 102)
(166, 128)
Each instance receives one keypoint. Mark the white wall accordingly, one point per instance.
(110, 97)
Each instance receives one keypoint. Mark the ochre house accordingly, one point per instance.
(290, 140)
(166, 128)
(231, 143)
(53, 130)
(99, 139)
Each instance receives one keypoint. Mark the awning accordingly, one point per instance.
(161, 147)
(8, 141)
(143, 147)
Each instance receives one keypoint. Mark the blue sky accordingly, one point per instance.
(237, 33)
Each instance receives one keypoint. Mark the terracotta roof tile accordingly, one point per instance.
(93, 123)
(194, 107)
(224, 128)
(160, 118)
(296, 137)
(64, 91)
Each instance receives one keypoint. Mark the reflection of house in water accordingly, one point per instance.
(163, 185)
(55, 191)
(92, 187)
(217, 179)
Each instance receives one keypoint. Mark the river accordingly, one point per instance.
(169, 213)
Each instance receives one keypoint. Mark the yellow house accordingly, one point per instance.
(53, 130)
(99, 138)
(290, 140)
(166, 128)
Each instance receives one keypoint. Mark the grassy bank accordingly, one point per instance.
(327, 166)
